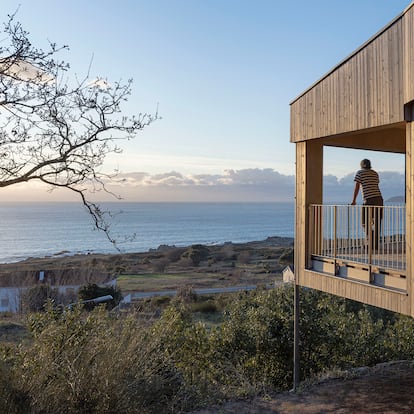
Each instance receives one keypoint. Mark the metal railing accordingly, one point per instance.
(363, 234)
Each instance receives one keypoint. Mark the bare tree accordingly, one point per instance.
(55, 129)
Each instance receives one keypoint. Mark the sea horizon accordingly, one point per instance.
(46, 229)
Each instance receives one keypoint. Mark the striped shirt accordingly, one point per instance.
(369, 181)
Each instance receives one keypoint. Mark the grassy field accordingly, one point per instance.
(221, 266)
(150, 281)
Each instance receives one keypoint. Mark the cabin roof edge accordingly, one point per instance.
(342, 62)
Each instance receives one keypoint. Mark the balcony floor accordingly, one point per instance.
(379, 268)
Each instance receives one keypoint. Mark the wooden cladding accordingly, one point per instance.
(408, 25)
(361, 292)
(366, 102)
(367, 90)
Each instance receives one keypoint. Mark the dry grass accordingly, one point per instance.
(172, 281)
(252, 263)
(150, 282)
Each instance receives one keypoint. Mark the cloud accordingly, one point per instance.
(253, 184)
(244, 185)
(24, 71)
(255, 176)
(341, 190)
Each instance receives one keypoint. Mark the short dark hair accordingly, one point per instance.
(365, 163)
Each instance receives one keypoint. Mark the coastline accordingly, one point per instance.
(44, 230)
(226, 264)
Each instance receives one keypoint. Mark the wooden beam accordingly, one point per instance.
(360, 291)
(386, 140)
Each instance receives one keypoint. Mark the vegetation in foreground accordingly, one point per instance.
(102, 362)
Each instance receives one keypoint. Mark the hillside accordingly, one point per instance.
(384, 388)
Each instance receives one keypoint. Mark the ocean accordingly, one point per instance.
(52, 229)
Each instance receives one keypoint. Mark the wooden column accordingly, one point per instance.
(309, 180)
(409, 185)
(408, 99)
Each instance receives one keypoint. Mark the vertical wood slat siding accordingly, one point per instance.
(299, 259)
(409, 55)
(386, 299)
(365, 91)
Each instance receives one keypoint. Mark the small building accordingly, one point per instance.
(365, 102)
(288, 274)
(10, 299)
(67, 282)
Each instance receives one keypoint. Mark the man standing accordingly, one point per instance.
(367, 179)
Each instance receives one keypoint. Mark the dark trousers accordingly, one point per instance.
(371, 219)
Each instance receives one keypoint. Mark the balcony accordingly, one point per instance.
(340, 244)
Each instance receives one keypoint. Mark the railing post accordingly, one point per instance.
(311, 240)
(369, 231)
(348, 227)
(335, 230)
(365, 226)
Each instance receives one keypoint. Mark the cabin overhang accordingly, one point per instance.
(365, 102)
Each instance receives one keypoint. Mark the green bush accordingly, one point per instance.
(186, 294)
(35, 298)
(208, 375)
(95, 362)
(196, 253)
(207, 306)
(257, 337)
(12, 401)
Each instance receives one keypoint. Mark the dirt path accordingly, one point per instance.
(385, 388)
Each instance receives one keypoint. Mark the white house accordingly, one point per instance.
(10, 299)
(288, 274)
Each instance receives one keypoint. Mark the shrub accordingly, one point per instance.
(35, 298)
(93, 363)
(186, 294)
(12, 401)
(208, 306)
(399, 338)
(196, 253)
(208, 375)
(160, 265)
(175, 254)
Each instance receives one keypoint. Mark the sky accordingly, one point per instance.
(222, 74)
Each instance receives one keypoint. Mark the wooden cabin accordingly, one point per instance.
(366, 102)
